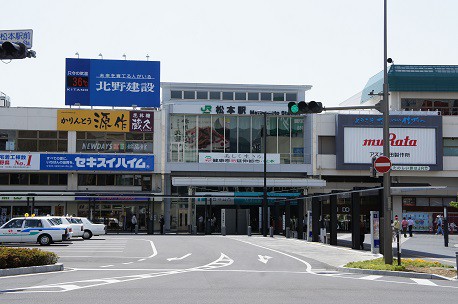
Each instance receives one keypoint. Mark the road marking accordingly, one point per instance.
(107, 266)
(371, 277)
(424, 282)
(264, 258)
(141, 260)
(127, 263)
(179, 259)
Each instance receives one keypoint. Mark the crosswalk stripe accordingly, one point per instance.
(371, 277)
(424, 282)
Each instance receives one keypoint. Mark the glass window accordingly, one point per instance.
(327, 145)
(137, 180)
(175, 94)
(54, 179)
(110, 179)
(47, 145)
(19, 179)
(63, 179)
(202, 95)
(228, 95)
(271, 135)
(215, 95)
(231, 134)
(240, 96)
(28, 145)
(256, 132)
(95, 135)
(219, 143)
(297, 140)
(149, 135)
(35, 223)
(115, 136)
(47, 134)
(189, 95)
(134, 136)
(35, 179)
(266, 96)
(435, 202)
(124, 180)
(86, 180)
(279, 97)
(14, 224)
(244, 134)
(62, 146)
(409, 202)
(253, 96)
(190, 139)
(422, 201)
(284, 139)
(205, 134)
(291, 97)
(80, 135)
(63, 135)
(101, 180)
(4, 179)
(27, 134)
(451, 146)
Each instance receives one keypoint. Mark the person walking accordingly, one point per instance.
(161, 224)
(410, 223)
(362, 234)
(133, 222)
(439, 225)
(396, 228)
(404, 225)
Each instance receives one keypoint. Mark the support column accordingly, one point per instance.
(288, 215)
(167, 201)
(355, 219)
(276, 215)
(333, 219)
(300, 218)
(316, 214)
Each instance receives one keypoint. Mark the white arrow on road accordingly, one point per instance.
(177, 259)
(264, 258)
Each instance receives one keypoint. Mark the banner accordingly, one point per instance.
(19, 161)
(97, 162)
(239, 158)
(93, 120)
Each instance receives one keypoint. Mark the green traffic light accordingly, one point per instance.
(294, 109)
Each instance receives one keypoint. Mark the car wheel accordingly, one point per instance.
(44, 239)
(87, 234)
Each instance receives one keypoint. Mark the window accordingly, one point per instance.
(19, 179)
(327, 145)
(27, 134)
(14, 224)
(279, 97)
(228, 95)
(39, 179)
(114, 142)
(266, 96)
(4, 179)
(47, 134)
(35, 223)
(42, 141)
(291, 97)
(253, 96)
(175, 95)
(451, 146)
(240, 96)
(189, 95)
(409, 202)
(215, 95)
(202, 95)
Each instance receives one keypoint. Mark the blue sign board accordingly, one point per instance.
(117, 83)
(97, 162)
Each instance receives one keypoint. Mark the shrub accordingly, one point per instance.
(25, 257)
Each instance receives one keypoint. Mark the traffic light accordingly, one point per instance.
(13, 50)
(303, 107)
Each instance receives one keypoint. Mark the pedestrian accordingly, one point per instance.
(396, 228)
(404, 225)
(362, 234)
(439, 225)
(161, 224)
(410, 223)
(201, 223)
(133, 222)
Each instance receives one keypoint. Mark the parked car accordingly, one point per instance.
(90, 228)
(33, 230)
(77, 228)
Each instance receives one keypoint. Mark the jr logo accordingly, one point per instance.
(207, 109)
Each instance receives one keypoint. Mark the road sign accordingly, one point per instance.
(382, 164)
(17, 36)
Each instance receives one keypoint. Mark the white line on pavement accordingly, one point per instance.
(127, 263)
(371, 277)
(107, 266)
(424, 282)
(178, 259)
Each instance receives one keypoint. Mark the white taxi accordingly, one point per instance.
(90, 228)
(33, 230)
(76, 228)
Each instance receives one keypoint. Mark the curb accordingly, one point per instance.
(405, 274)
(32, 269)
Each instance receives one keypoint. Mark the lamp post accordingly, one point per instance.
(387, 244)
(264, 200)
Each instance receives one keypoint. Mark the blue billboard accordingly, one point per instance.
(114, 83)
(97, 162)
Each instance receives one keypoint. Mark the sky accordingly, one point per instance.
(333, 45)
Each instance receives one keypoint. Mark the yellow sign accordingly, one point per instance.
(93, 120)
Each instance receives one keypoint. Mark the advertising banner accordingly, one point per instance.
(415, 141)
(375, 231)
(239, 158)
(97, 162)
(117, 83)
(19, 161)
(422, 220)
(93, 120)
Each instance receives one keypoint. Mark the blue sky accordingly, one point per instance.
(333, 45)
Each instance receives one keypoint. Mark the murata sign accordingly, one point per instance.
(414, 141)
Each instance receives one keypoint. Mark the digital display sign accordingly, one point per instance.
(77, 81)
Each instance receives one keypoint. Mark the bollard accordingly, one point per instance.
(223, 230)
(287, 232)
(456, 253)
(136, 228)
(271, 231)
(194, 230)
(249, 230)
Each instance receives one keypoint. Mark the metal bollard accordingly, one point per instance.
(136, 228)
(271, 231)
(223, 230)
(287, 232)
(249, 230)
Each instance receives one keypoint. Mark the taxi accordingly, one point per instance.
(33, 230)
(90, 228)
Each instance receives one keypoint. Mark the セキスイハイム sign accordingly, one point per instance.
(117, 83)
(97, 162)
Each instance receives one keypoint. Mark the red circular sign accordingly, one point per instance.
(382, 164)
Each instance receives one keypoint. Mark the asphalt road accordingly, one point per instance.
(204, 269)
